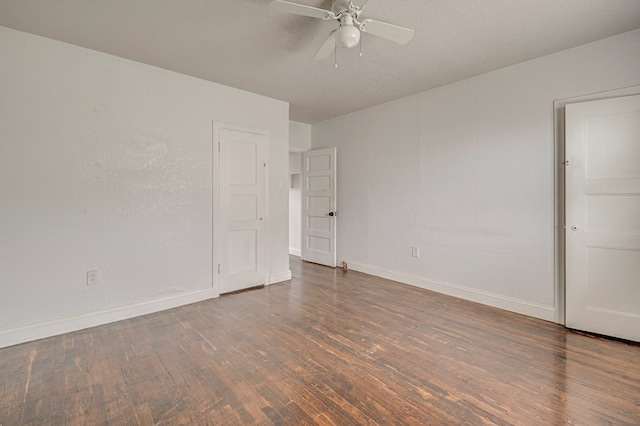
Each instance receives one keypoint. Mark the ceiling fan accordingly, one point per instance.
(347, 13)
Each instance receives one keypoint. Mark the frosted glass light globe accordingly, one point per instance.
(348, 36)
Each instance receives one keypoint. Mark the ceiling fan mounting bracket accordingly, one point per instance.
(345, 7)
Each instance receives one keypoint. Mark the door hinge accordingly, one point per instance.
(218, 146)
(218, 269)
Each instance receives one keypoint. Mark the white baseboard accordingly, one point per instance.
(41, 330)
(496, 300)
(295, 252)
(280, 277)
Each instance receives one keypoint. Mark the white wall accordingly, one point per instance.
(465, 172)
(299, 136)
(107, 164)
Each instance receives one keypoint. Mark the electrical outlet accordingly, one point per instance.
(415, 251)
(92, 277)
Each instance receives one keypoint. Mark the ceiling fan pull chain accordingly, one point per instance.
(361, 48)
(335, 57)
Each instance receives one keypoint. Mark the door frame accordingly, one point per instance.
(559, 183)
(297, 150)
(215, 241)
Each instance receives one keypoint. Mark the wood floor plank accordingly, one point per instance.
(330, 347)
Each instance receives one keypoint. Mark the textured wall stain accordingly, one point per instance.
(139, 153)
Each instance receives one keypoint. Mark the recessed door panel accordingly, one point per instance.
(318, 203)
(243, 256)
(243, 161)
(319, 163)
(243, 207)
(612, 146)
(613, 213)
(319, 244)
(321, 224)
(621, 294)
(318, 183)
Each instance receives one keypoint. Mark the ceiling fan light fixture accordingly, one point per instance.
(348, 36)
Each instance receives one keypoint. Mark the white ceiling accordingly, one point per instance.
(244, 44)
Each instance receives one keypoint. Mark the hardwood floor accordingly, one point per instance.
(330, 347)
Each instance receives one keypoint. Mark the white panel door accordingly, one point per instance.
(603, 217)
(319, 206)
(242, 195)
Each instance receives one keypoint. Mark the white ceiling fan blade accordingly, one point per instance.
(300, 9)
(359, 3)
(388, 31)
(327, 47)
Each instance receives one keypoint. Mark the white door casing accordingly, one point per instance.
(241, 219)
(319, 208)
(602, 226)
